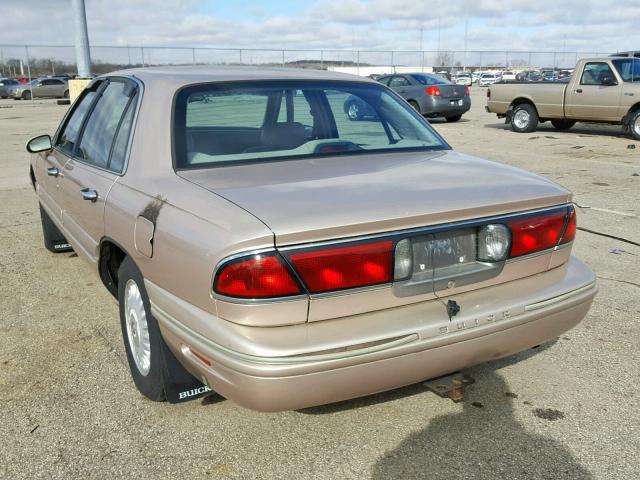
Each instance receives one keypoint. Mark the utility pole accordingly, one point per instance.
(83, 56)
(421, 50)
(466, 30)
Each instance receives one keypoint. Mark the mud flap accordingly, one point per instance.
(179, 385)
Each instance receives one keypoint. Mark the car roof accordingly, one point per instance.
(199, 74)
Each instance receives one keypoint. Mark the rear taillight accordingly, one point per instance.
(337, 268)
(540, 232)
(256, 276)
(466, 91)
(433, 90)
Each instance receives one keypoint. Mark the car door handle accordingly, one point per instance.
(88, 194)
(579, 90)
(53, 172)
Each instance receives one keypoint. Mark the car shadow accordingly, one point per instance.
(483, 441)
(443, 121)
(418, 388)
(588, 131)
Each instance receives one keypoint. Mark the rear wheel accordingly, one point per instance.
(562, 124)
(65, 94)
(26, 95)
(453, 118)
(415, 105)
(634, 125)
(524, 118)
(54, 240)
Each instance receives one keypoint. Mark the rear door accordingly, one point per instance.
(590, 98)
(401, 85)
(96, 162)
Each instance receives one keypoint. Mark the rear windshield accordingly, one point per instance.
(431, 79)
(223, 123)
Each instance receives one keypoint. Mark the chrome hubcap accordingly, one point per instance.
(521, 119)
(636, 125)
(137, 327)
(353, 111)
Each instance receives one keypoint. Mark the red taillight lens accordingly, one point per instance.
(433, 90)
(466, 91)
(536, 233)
(257, 276)
(337, 268)
(572, 226)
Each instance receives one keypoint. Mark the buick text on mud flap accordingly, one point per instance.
(193, 392)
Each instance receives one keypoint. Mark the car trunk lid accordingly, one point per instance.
(320, 199)
(452, 91)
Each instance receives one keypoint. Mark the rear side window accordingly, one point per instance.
(121, 142)
(101, 127)
(68, 136)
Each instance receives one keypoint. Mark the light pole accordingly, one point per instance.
(83, 57)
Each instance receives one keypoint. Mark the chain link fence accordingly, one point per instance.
(35, 60)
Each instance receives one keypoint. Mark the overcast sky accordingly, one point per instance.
(569, 25)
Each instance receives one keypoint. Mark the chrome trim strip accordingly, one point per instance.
(559, 298)
(160, 314)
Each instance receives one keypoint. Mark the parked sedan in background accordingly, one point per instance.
(487, 79)
(286, 259)
(464, 78)
(5, 83)
(41, 88)
(431, 95)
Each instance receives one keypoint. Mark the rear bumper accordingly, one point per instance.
(437, 106)
(491, 325)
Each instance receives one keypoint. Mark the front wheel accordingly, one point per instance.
(453, 118)
(65, 94)
(634, 125)
(562, 124)
(524, 118)
(26, 95)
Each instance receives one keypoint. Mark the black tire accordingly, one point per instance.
(65, 94)
(524, 118)
(453, 118)
(634, 124)
(562, 124)
(150, 384)
(5, 97)
(415, 106)
(54, 240)
(354, 111)
(26, 95)
(166, 377)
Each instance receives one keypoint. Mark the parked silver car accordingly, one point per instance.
(40, 88)
(431, 95)
(5, 83)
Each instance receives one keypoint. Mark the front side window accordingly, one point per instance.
(102, 125)
(219, 124)
(628, 68)
(594, 73)
(68, 136)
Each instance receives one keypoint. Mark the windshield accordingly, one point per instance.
(628, 68)
(218, 124)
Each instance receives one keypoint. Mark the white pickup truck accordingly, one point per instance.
(602, 90)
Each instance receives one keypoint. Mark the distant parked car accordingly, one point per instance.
(41, 88)
(508, 75)
(464, 78)
(431, 94)
(487, 79)
(5, 83)
(529, 76)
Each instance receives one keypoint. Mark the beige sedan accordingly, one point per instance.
(263, 246)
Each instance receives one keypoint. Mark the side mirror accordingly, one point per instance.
(608, 80)
(41, 143)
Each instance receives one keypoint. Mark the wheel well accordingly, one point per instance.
(520, 101)
(632, 110)
(111, 256)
